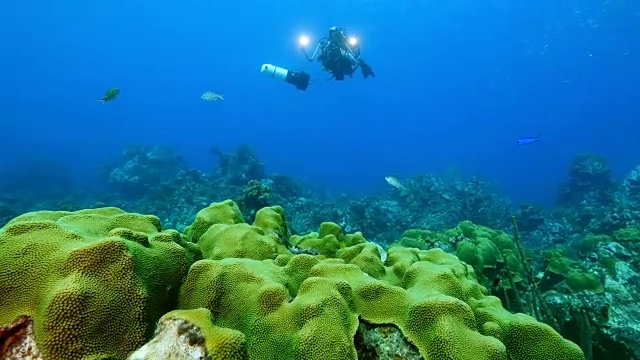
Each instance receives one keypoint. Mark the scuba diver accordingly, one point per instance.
(339, 55)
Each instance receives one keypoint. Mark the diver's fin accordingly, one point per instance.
(366, 69)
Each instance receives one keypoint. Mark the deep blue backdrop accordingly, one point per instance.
(457, 82)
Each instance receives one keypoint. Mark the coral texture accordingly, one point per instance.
(95, 281)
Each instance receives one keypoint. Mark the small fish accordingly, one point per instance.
(110, 95)
(393, 181)
(211, 96)
(529, 140)
(295, 249)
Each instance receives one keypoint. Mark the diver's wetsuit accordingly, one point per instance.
(336, 61)
(339, 58)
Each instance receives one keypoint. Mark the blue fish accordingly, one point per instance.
(529, 140)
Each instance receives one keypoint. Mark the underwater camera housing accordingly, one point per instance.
(299, 79)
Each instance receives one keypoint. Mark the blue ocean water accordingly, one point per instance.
(456, 84)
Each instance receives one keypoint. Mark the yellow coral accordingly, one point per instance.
(525, 338)
(307, 307)
(94, 281)
(104, 276)
(190, 334)
(221, 343)
(328, 240)
(220, 235)
(225, 212)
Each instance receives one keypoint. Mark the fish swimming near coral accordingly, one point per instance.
(393, 181)
(110, 95)
(211, 96)
(529, 140)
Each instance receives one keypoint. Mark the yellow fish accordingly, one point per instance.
(211, 96)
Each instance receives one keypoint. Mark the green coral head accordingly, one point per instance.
(627, 234)
(579, 280)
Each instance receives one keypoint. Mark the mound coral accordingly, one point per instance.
(490, 252)
(94, 282)
(307, 307)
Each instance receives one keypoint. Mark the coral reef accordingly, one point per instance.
(579, 272)
(142, 168)
(191, 335)
(587, 199)
(105, 277)
(598, 308)
(255, 196)
(628, 198)
(75, 272)
(239, 167)
(590, 179)
(530, 217)
(298, 306)
(156, 180)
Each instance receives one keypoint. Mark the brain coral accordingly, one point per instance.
(307, 307)
(95, 282)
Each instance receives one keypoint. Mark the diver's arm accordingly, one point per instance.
(315, 53)
(352, 56)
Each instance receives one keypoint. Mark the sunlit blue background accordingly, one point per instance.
(456, 83)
